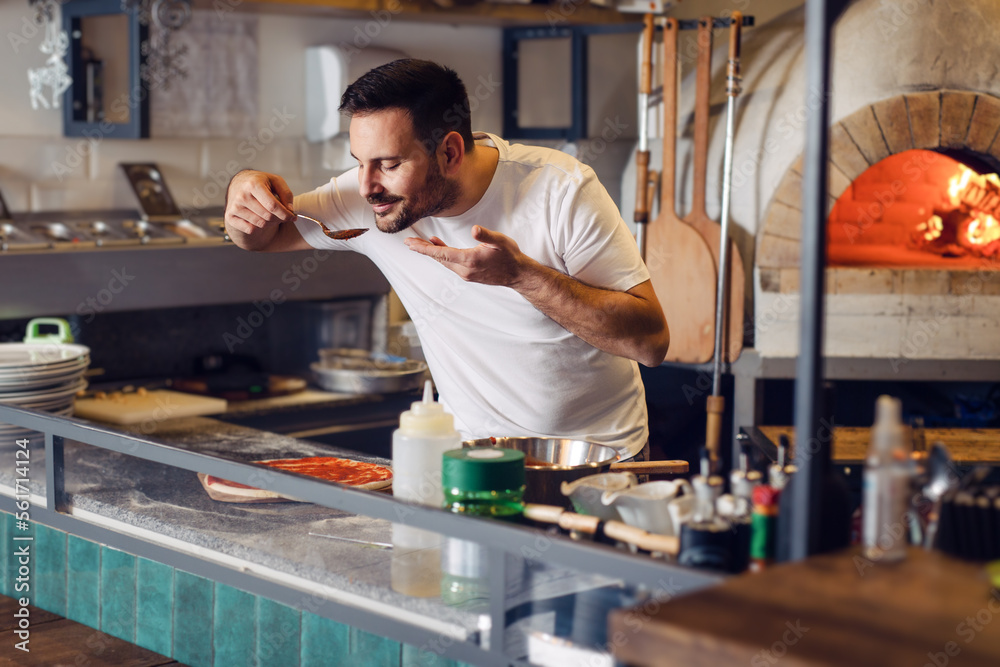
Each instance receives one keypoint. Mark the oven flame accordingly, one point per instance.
(978, 196)
(932, 228)
(983, 229)
(918, 208)
(958, 183)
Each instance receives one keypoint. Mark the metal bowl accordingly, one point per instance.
(553, 453)
(352, 371)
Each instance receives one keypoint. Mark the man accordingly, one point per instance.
(527, 291)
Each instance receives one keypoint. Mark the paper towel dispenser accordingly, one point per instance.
(329, 70)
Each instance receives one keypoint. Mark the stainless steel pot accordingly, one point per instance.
(551, 461)
(360, 372)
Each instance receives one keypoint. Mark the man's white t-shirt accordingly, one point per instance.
(503, 368)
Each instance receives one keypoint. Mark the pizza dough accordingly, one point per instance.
(359, 474)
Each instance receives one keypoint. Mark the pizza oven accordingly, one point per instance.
(913, 266)
(918, 208)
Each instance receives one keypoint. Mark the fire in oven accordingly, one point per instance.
(918, 208)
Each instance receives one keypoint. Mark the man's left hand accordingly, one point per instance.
(497, 260)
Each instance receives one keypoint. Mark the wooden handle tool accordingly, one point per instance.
(591, 525)
(641, 216)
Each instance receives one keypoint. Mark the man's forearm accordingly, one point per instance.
(627, 324)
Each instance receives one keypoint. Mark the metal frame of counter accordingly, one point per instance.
(751, 370)
(409, 627)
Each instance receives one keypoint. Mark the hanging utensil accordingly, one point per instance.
(941, 479)
(698, 217)
(642, 200)
(680, 262)
(716, 403)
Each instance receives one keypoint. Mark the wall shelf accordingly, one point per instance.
(557, 13)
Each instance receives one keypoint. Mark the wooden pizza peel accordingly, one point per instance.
(710, 229)
(680, 262)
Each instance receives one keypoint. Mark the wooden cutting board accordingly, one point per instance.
(156, 406)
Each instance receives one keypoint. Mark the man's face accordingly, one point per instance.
(397, 177)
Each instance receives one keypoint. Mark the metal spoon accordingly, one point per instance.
(341, 235)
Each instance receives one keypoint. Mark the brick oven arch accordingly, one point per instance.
(937, 120)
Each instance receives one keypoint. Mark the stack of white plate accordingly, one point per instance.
(41, 376)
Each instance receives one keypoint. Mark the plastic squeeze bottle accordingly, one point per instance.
(886, 485)
(425, 433)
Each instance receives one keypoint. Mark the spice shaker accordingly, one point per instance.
(486, 482)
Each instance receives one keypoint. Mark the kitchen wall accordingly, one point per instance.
(41, 170)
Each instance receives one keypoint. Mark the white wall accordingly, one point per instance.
(42, 170)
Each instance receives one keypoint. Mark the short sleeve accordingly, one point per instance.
(596, 244)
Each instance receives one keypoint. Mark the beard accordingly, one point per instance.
(437, 194)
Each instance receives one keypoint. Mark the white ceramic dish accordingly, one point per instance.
(586, 493)
(41, 384)
(17, 375)
(22, 397)
(646, 505)
(33, 372)
(34, 355)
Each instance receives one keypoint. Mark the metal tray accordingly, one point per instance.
(353, 371)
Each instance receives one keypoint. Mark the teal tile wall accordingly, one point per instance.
(414, 657)
(373, 650)
(325, 643)
(154, 600)
(193, 605)
(278, 630)
(234, 635)
(191, 619)
(83, 581)
(118, 594)
(49, 565)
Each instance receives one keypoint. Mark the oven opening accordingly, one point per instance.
(919, 208)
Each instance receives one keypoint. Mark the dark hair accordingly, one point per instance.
(433, 96)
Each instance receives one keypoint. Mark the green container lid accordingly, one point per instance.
(482, 469)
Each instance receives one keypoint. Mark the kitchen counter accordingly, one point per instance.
(833, 609)
(306, 399)
(357, 422)
(966, 446)
(361, 422)
(167, 506)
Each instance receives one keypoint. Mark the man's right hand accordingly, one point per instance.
(256, 205)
